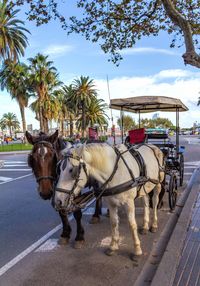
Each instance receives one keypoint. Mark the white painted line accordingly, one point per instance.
(195, 163)
(8, 170)
(19, 257)
(49, 245)
(31, 248)
(17, 165)
(5, 179)
(188, 173)
(189, 167)
(15, 179)
(15, 162)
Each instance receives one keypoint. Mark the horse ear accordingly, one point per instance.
(29, 138)
(53, 137)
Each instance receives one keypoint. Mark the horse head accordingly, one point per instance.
(73, 177)
(79, 165)
(43, 160)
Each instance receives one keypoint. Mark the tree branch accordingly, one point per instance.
(190, 56)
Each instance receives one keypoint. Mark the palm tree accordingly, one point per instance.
(10, 121)
(84, 92)
(70, 108)
(12, 33)
(96, 113)
(43, 79)
(14, 77)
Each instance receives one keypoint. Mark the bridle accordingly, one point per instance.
(36, 146)
(81, 166)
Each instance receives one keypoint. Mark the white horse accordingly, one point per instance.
(114, 169)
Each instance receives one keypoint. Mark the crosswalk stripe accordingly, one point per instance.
(5, 179)
(17, 170)
(15, 162)
(12, 165)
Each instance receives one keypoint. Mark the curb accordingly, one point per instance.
(163, 260)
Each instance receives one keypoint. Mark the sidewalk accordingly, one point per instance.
(179, 265)
(188, 272)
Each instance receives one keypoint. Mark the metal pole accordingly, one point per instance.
(177, 132)
(122, 125)
(139, 118)
(113, 127)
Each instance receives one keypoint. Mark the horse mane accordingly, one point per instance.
(97, 155)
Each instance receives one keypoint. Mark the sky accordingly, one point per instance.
(151, 67)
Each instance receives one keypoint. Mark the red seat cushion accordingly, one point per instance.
(137, 136)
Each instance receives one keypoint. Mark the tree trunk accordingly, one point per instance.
(83, 120)
(22, 111)
(71, 126)
(45, 125)
(62, 127)
(41, 116)
(190, 56)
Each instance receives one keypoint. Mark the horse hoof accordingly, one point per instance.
(135, 259)
(153, 229)
(63, 241)
(110, 252)
(79, 244)
(94, 220)
(143, 231)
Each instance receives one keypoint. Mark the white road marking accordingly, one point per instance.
(24, 253)
(15, 179)
(193, 140)
(188, 173)
(31, 248)
(5, 179)
(15, 162)
(189, 167)
(49, 245)
(193, 163)
(15, 165)
(8, 170)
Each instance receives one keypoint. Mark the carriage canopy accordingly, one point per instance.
(145, 104)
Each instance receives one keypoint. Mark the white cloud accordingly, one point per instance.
(58, 50)
(176, 73)
(183, 85)
(148, 50)
(186, 86)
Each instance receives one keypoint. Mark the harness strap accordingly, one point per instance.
(45, 178)
(135, 182)
(140, 160)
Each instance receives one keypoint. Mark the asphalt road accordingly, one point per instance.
(25, 219)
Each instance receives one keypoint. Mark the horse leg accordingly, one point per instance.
(157, 191)
(145, 227)
(130, 209)
(96, 216)
(114, 221)
(65, 236)
(79, 240)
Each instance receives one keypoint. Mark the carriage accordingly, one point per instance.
(174, 153)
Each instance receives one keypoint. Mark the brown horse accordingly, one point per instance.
(43, 160)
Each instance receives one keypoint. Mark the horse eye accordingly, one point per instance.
(70, 170)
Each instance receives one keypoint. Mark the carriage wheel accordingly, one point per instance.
(181, 169)
(172, 191)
